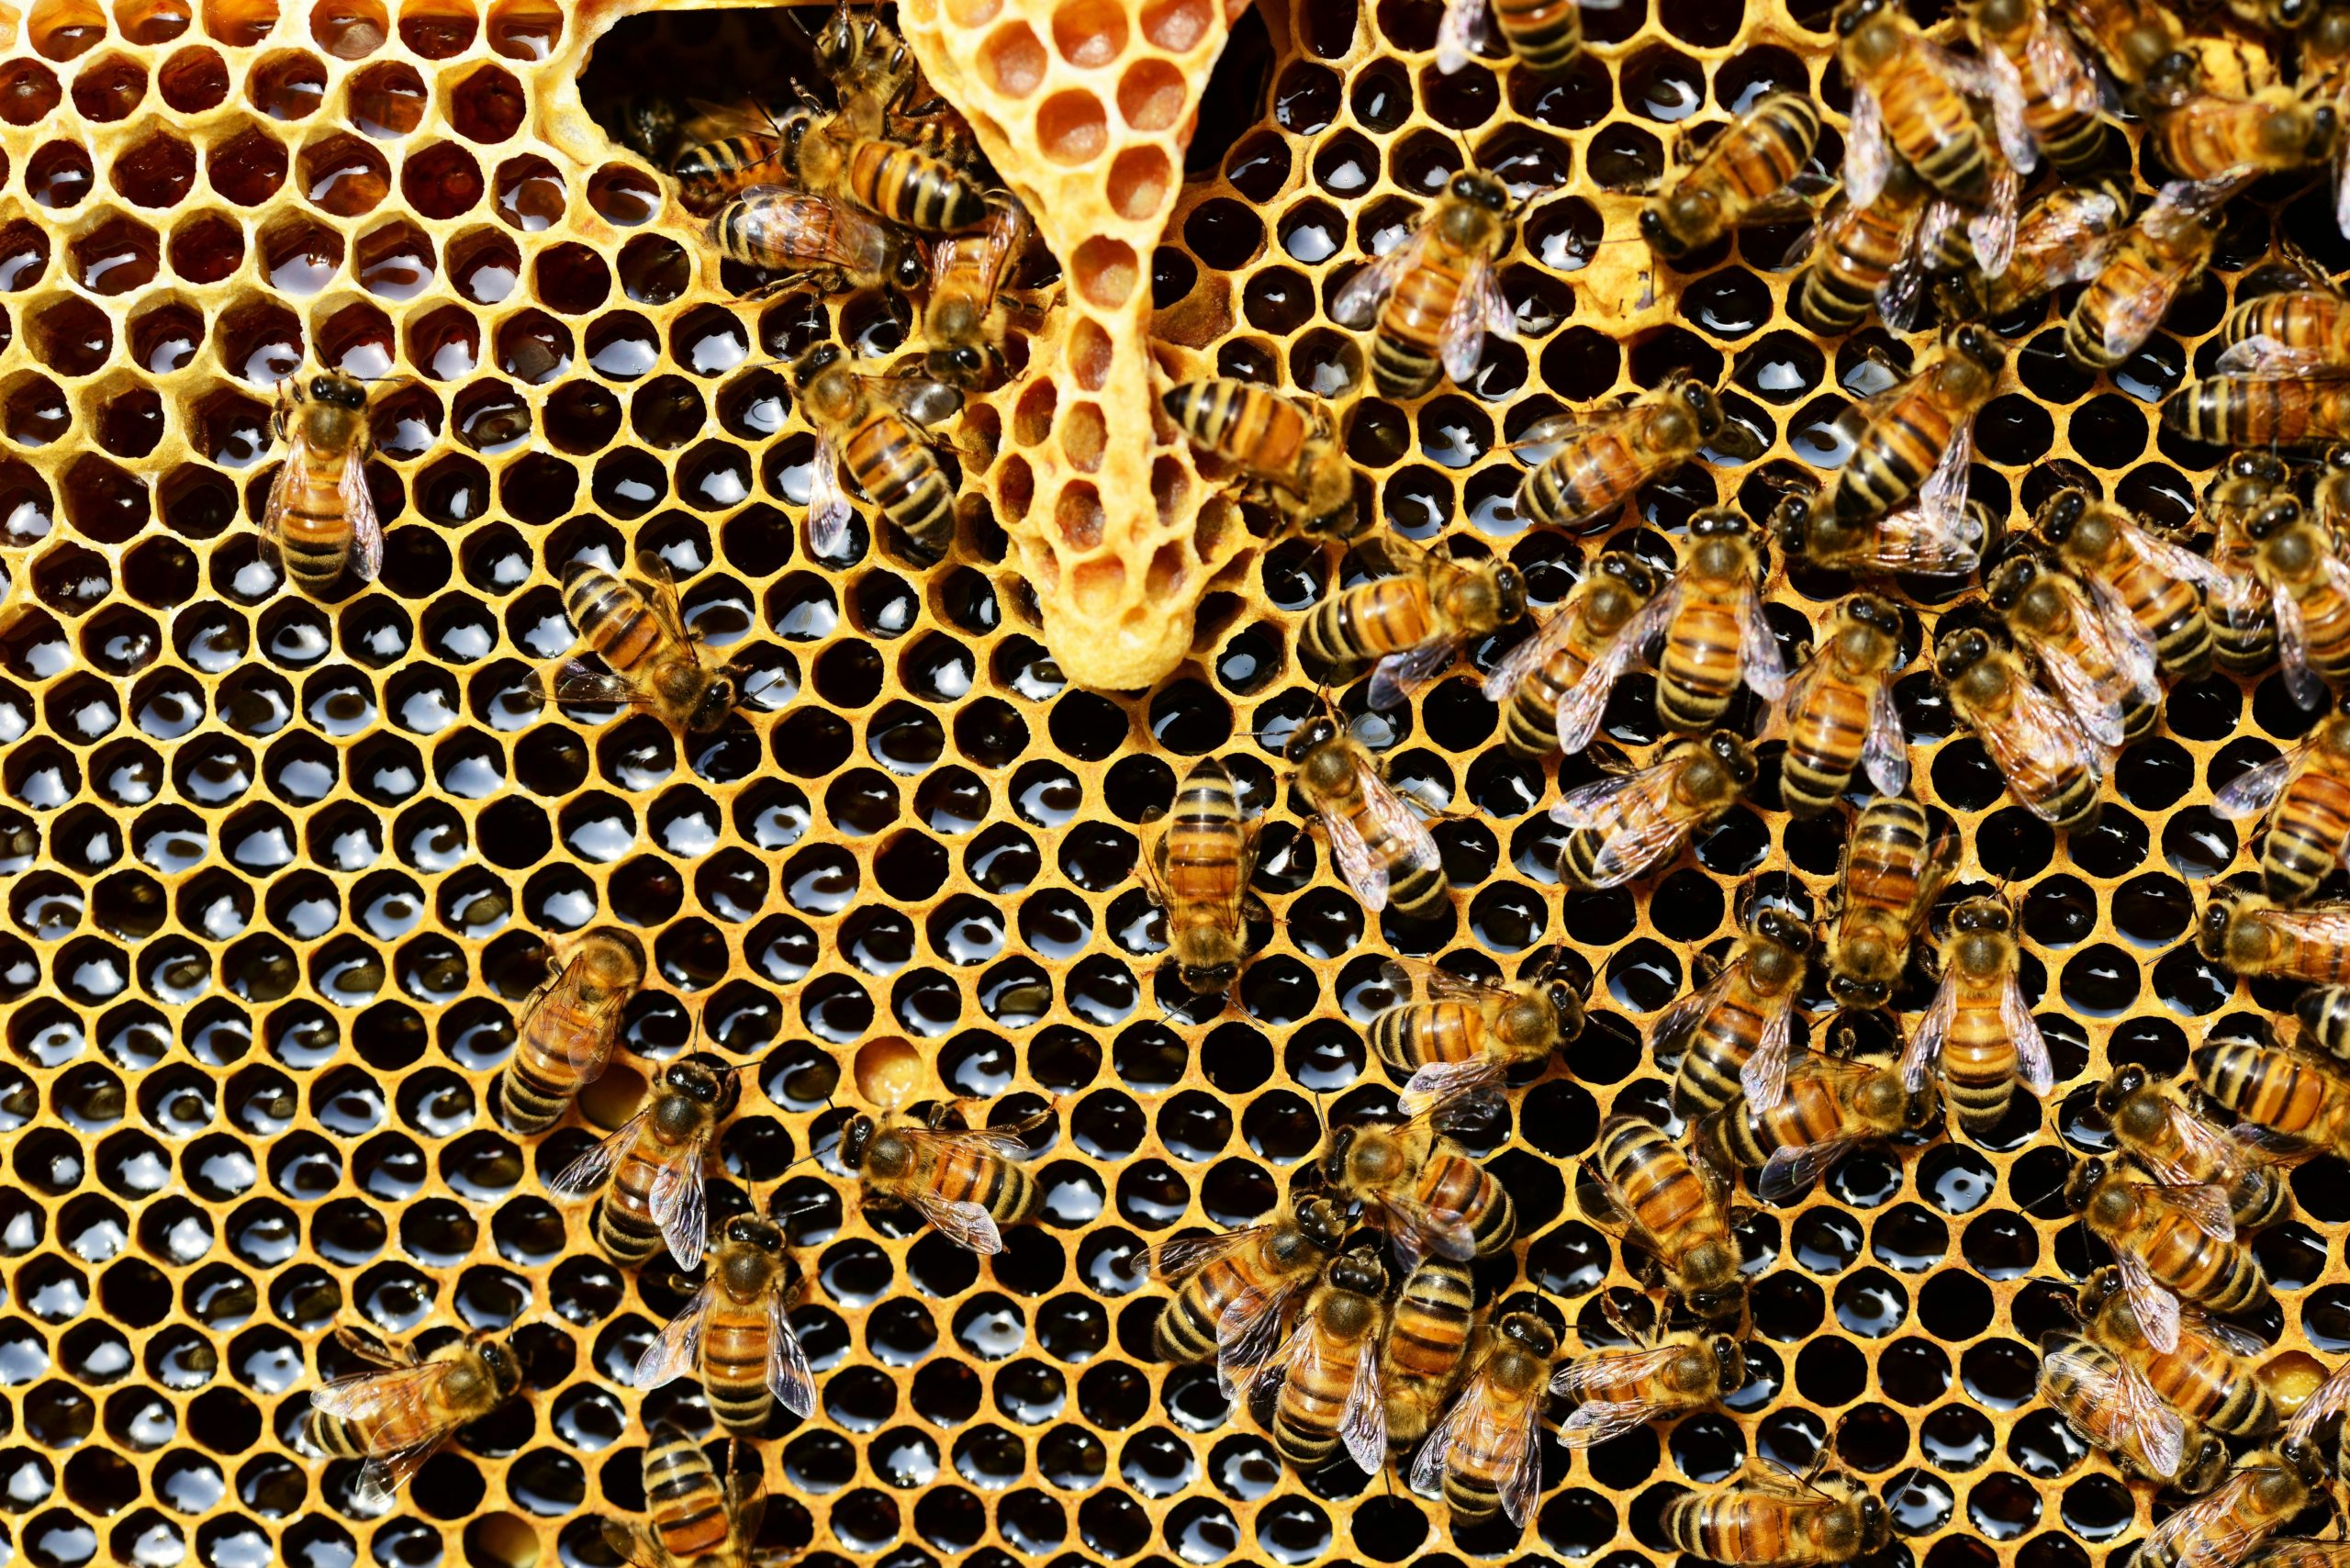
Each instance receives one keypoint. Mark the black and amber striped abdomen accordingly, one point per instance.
(898, 469)
(1405, 348)
(1699, 670)
(2220, 1274)
(972, 1176)
(546, 1071)
(1369, 621)
(2274, 1089)
(1483, 1454)
(1545, 35)
(1429, 1326)
(915, 189)
(1719, 1046)
(1452, 1183)
(2306, 835)
(1420, 1033)
(1591, 475)
(682, 1493)
(613, 618)
(1237, 419)
(1530, 721)
(1893, 457)
(624, 1222)
(1205, 837)
(1855, 254)
(1979, 1060)
(1654, 1181)
(1825, 735)
(314, 530)
(1808, 1114)
(2204, 1382)
(1935, 129)
(734, 1341)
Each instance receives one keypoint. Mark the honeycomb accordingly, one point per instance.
(278, 872)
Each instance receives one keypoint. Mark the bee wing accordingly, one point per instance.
(661, 593)
(1602, 1420)
(1579, 1376)
(1764, 667)
(1528, 655)
(1362, 870)
(2293, 652)
(366, 529)
(1522, 1477)
(1917, 1056)
(2254, 790)
(2156, 1308)
(1003, 1143)
(2161, 1434)
(2097, 708)
(2127, 323)
(2262, 358)
(1461, 34)
(1439, 1081)
(2204, 1203)
(1416, 847)
(1174, 1262)
(2042, 728)
(385, 1473)
(1685, 1015)
(2007, 94)
(1586, 805)
(2038, 1075)
(965, 1224)
(1246, 1330)
(828, 508)
(1885, 753)
(2227, 1336)
(371, 1395)
(2205, 1146)
(1867, 157)
(1401, 674)
(1436, 1454)
(1356, 303)
(374, 1351)
(789, 1378)
(1792, 1169)
(1765, 1076)
(1629, 851)
(2057, 65)
(2173, 559)
(1461, 339)
(2342, 189)
(677, 1351)
(1904, 289)
(587, 1174)
(2328, 1397)
(1580, 709)
(918, 398)
(1414, 978)
(2206, 1532)
(1417, 1230)
(680, 1206)
(1362, 1425)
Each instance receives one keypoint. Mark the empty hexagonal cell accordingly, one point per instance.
(394, 261)
(33, 410)
(259, 340)
(487, 104)
(63, 30)
(152, 21)
(205, 247)
(116, 256)
(246, 168)
(357, 339)
(1012, 60)
(437, 29)
(70, 335)
(59, 175)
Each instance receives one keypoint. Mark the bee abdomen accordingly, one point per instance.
(913, 189)
(533, 1101)
(902, 475)
(612, 617)
(734, 1378)
(334, 1436)
(1185, 1333)
(1545, 35)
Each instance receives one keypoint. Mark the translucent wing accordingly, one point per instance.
(1440, 1081)
(2161, 1434)
(661, 592)
(2329, 1397)
(828, 509)
(576, 680)
(1363, 871)
(2293, 652)
(918, 398)
(2254, 790)
(1401, 674)
(2262, 358)
(1529, 656)
(2227, 1336)
(2057, 62)
(679, 1203)
(1414, 847)
(1461, 34)
(2203, 1146)
(2008, 109)
(1174, 1262)
(1758, 650)
(1461, 339)
(1943, 497)
(1884, 754)
(1362, 1425)
(1946, 543)
(384, 1474)
(1009, 1142)
(2127, 326)
(1683, 1016)
(2206, 1204)
(1245, 1333)
(1588, 805)
(1765, 1076)
(1904, 289)
(2173, 559)
(1434, 1457)
(789, 1378)
(1416, 979)
(2090, 701)
(366, 532)
(1360, 297)
(587, 1174)
(1867, 158)
(2207, 1533)
(1790, 1170)
(2342, 189)
(1522, 1467)
(964, 1224)
(1926, 1044)
(1580, 709)
(677, 1353)
(1299, 1349)
(1633, 850)
(369, 1396)
(2032, 1065)
(2042, 730)
(1416, 1229)
(1580, 1376)
(2156, 1308)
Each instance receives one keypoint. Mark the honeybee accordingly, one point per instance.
(2237, 411)
(968, 1184)
(1917, 437)
(1427, 1337)
(2258, 1498)
(2325, 1017)
(2308, 790)
(1455, 1035)
(398, 1416)
(2291, 1101)
(655, 1161)
(1674, 1209)
(735, 1334)
(2062, 238)
(2137, 576)
(965, 319)
(1231, 1291)
(2206, 136)
(1741, 177)
(568, 1027)
(654, 661)
(2243, 626)
(1483, 1454)
(1856, 259)
(1596, 461)
(1544, 35)
(2256, 938)
(2051, 765)
(746, 152)
(2110, 1403)
(1435, 295)
(1656, 1378)
(2295, 331)
(1945, 540)
(805, 239)
(1285, 447)
(2092, 653)
(854, 153)
(1892, 872)
(1386, 853)
(321, 515)
(1838, 714)
(2130, 37)
(1909, 96)
(1627, 823)
(1409, 625)
(1197, 874)
(1711, 615)
(877, 426)
(1553, 686)
(2177, 1147)
(1329, 1368)
(1428, 1199)
(2209, 1378)
(1736, 1031)
(697, 1522)
(2052, 86)
(1979, 1024)
(1783, 1521)
(2140, 273)
(2178, 1237)
(1826, 1107)
(2308, 586)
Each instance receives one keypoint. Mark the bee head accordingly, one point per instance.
(1982, 914)
(1565, 1000)
(1871, 611)
(1729, 1359)
(1661, 239)
(2272, 468)
(1791, 524)
(2119, 1089)
(2007, 585)
(750, 1230)
(1509, 591)
(1480, 189)
(2219, 917)
(1876, 1525)
(1972, 342)
(1720, 1305)
(1525, 1329)
(855, 1139)
(1859, 994)
(2304, 1458)
(1207, 979)
(2274, 518)
(2330, 36)
(505, 1366)
(1311, 736)
(2059, 514)
(1705, 409)
(2292, 12)
(1782, 929)
(1334, 1164)
(2081, 1185)
(1853, 13)
(1359, 1271)
(819, 358)
(961, 363)
(1735, 755)
(716, 702)
(908, 271)
(2101, 1286)
(339, 391)
(1961, 652)
(1319, 1221)
(1918, 1110)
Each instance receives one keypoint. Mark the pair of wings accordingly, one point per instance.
(1941, 524)
(1596, 1421)
(577, 680)
(1417, 1230)
(919, 400)
(2204, 1154)
(2040, 732)
(598, 1018)
(1884, 749)
(399, 1386)
(1500, 1429)
(2138, 1415)
(1311, 1357)
(2168, 559)
(1759, 662)
(1794, 1166)
(962, 1222)
(2301, 678)
(2033, 1068)
(1546, 439)
(2157, 1310)
(1586, 700)
(1478, 308)
(1643, 797)
(366, 555)
(1411, 847)
(2167, 224)
(1868, 153)
(1249, 1325)
(1438, 1083)
(677, 1353)
(2112, 662)
(677, 1201)
(1765, 1075)
(2250, 793)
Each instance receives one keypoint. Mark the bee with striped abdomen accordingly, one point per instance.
(2110, 1403)
(1838, 714)
(808, 239)
(735, 1334)
(1553, 686)
(2207, 137)
(2052, 86)
(1428, 1338)
(655, 1161)
(1545, 36)
(1452, 1035)
(2295, 331)
(1657, 1377)
(1432, 300)
(1917, 437)
(1892, 872)
(854, 153)
(2291, 1101)
(2210, 1378)
(2256, 939)
(2243, 624)
(2138, 577)
(1828, 1108)
(1711, 618)
(1429, 1199)
(1627, 822)
(875, 427)
(1408, 625)
(2325, 79)
(2166, 1239)
(2062, 238)
(967, 1183)
(1909, 96)
(568, 1027)
(2267, 1490)
(321, 515)
(1858, 259)
(1785, 1521)
(695, 1520)
(2305, 793)
(735, 150)
(2130, 37)
(2090, 649)
(654, 663)
(1483, 1455)
(1382, 849)
(1596, 461)
(396, 1415)
(1328, 1369)
(1980, 1028)
(2309, 592)
(1673, 1209)
(1741, 177)
(2239, 410)
(1284, 447)
(2176, 1147)
(2140, 273)
(1944, 539)
(1232, 1291)
(1198, 875)
(1736, 1032)
(964, 320)
(2052, 766)
(2325, 1017)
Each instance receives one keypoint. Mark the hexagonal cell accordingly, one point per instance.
(350, 30)
(240, 24)
(287, 85)
(437, 29)
(152, 21)
(357, 339)
(69, 335)
(116, 256)
(299, 256)
(246, 168)
(64, 30)
(343, 176)
(109, 89)
(394, 261)
(193, 79)
(205, 247)
(59, 175)
(388, 100)
(486, 104)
